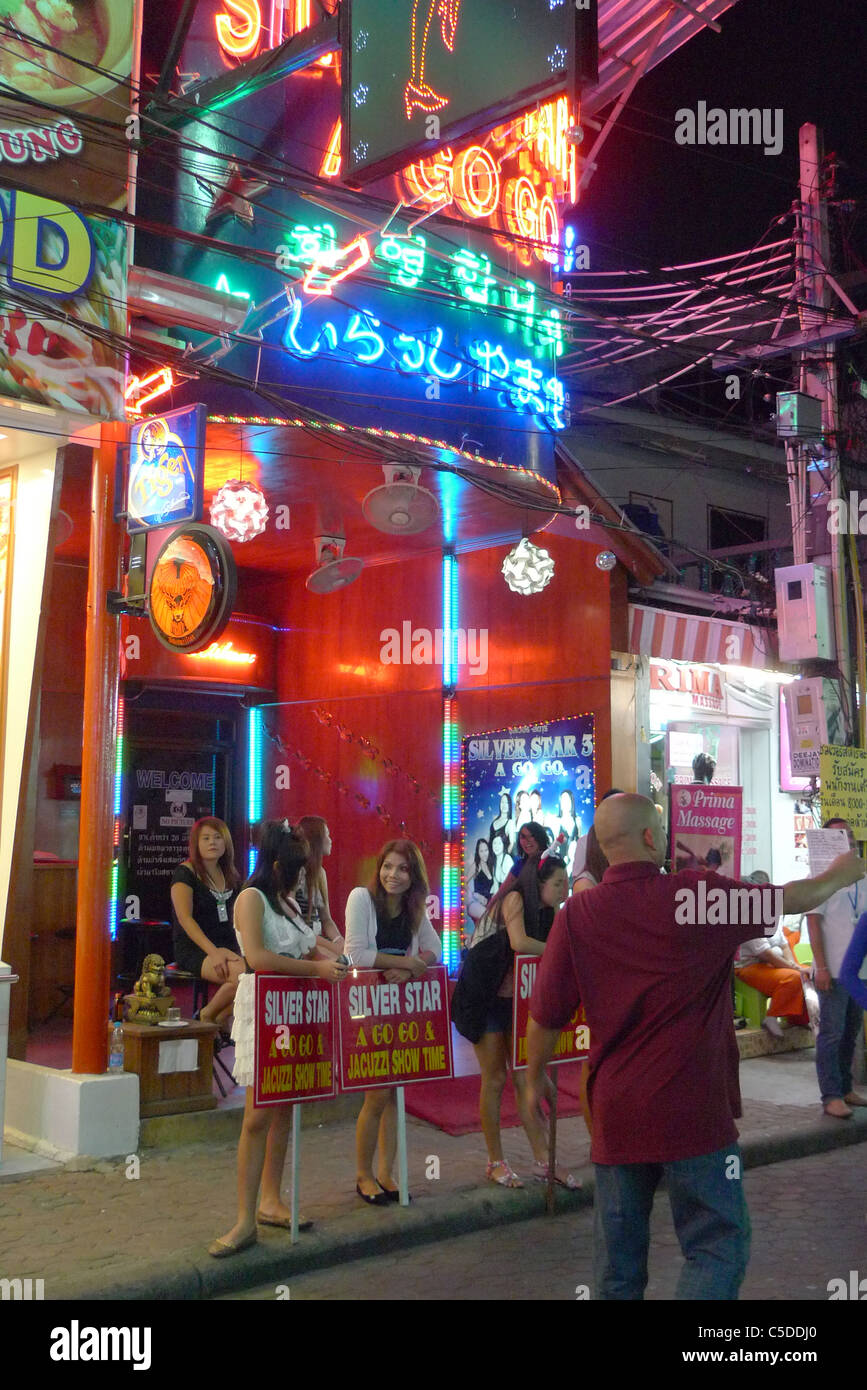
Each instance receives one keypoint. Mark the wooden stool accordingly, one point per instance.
(170, 1093)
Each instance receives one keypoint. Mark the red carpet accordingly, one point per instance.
(454, 1105)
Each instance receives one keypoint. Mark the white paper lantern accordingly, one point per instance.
(528, 568)
(239, 510)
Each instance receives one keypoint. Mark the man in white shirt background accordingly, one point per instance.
(831, 927)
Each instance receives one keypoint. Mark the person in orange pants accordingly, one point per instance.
(770, 967)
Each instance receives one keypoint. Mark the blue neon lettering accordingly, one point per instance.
(358, 333)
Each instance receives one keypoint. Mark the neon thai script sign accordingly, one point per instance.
(38, 143)
(358, 337)
(407, 262)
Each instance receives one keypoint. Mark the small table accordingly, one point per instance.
(170, 1093)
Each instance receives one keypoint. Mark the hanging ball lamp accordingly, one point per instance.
(606, 560)
(527, 569)
(239, 510)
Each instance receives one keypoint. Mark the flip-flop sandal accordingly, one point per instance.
(564, 1179)
(508, 1177)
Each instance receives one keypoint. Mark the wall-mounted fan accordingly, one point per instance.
(400, 506)
(333, 570)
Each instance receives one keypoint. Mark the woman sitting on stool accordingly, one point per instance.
(204, 888)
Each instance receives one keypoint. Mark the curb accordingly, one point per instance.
(190, 1275)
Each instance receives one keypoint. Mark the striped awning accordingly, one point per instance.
(679, 637)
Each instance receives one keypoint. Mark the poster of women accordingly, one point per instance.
(542, 773)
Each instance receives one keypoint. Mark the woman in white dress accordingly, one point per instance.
(274, 938)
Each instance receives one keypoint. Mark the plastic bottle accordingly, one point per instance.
(115, 1048)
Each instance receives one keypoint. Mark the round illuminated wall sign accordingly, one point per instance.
(192, 588)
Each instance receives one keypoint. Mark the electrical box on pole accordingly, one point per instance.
(805, 613)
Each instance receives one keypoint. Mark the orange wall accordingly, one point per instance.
(548, 657)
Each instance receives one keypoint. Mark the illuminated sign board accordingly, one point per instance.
(166, 469)
(192, 588)
(418, 73)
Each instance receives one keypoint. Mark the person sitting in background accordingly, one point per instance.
(768, 964)
(203, 892)
(311, 893)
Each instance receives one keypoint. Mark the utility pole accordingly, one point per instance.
(810, 479)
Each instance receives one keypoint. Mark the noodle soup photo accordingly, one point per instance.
(85, 31)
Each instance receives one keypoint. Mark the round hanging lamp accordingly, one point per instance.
(527, 568)
(239, 510)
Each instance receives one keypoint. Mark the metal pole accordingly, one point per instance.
(402, 1173)
(296, 1164)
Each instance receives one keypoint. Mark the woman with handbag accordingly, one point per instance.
(518, 920)
(388, 929)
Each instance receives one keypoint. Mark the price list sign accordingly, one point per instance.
(294, 1040)
(573, 1043)
(391, 1034)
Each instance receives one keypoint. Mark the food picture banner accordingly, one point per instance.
(706, 828)
(573, 1042)
(535, 772)
(392, 1034)
(65, 273)
(843, 776)
(294, 1043)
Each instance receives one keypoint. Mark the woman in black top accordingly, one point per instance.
(524, 909)
(204, 888)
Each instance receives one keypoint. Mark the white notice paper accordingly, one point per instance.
(823, 846)
(178, 1055)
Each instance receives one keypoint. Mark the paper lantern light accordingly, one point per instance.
(239, 510)
(527, 569)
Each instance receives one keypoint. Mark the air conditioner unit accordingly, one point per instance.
(805, 613)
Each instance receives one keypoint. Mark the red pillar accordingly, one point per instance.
(93, 945)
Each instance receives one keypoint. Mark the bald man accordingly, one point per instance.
(655, 985)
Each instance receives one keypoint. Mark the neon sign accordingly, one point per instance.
(512, 180)
(224, 652)
(241, 26)
(155, 384)
(408, 262)
(358, 337)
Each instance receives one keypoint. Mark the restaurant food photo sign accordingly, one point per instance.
(63, 148)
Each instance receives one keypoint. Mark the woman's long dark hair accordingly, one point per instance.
(227, 858)
(595, 862)
(416, 895)
(478, 861)
(313, 829)
(283, 852)
(527, 884)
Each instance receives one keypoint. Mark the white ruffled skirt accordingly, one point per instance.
(244, 1030)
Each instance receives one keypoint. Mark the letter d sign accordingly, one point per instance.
(51, 247)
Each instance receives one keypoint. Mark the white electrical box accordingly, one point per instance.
(814, 717)
(805, 613)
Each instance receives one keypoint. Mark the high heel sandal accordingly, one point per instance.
(508, 1178)
(541, 1170)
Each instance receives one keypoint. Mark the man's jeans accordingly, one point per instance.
(839, 1022)
(710, 1217)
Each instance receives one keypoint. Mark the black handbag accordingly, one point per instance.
(481, 975)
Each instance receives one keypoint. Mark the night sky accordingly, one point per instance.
(652, 201)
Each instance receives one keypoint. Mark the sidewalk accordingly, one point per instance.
(100, 1234)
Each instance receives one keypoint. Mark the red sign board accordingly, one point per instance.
(573, 1044)
(391, 1034)
(294, 1040)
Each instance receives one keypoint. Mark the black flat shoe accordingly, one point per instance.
(391, 1195)
(377, 1199)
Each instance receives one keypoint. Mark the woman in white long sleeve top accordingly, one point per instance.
(388, 929)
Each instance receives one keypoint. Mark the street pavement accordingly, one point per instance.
(139, 1228)
(809, 1219)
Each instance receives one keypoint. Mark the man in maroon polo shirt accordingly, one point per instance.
(655, 985)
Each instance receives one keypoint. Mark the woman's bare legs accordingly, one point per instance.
(219, 1009)
(251, 1158)
(367, 1132)
(271, 1204)
(491, 1053)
